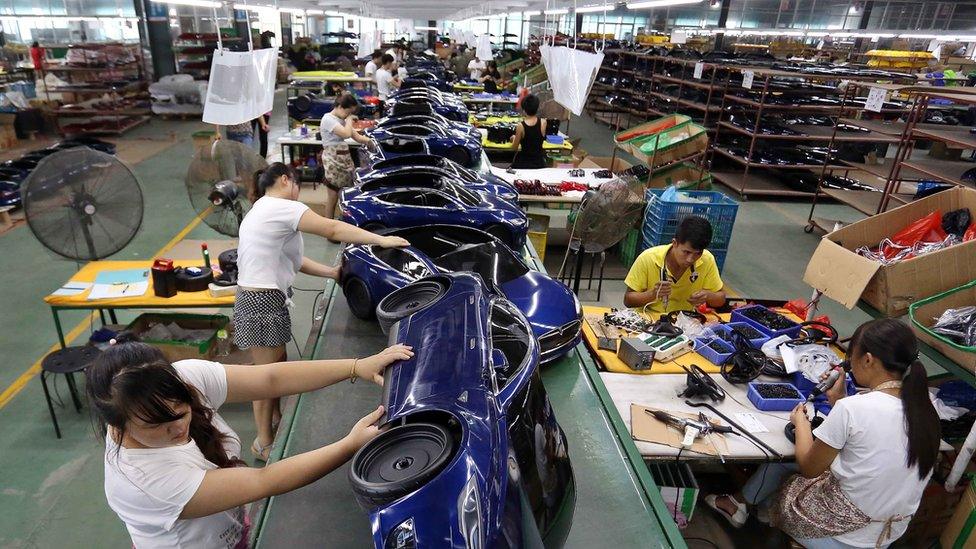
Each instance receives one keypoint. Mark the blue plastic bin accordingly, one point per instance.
(725, 332)
(772, 404)
(662, 217)
(737, 316)
(716, 358)
(805, 386)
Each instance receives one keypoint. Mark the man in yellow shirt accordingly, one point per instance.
(677, 276)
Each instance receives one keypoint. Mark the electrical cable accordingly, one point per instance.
(747, 362)
(677, 489)
(701, 384)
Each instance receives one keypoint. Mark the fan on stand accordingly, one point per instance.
(605, 216)
(83, 205)
(219, 182)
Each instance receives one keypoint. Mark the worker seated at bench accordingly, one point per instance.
(678, 276)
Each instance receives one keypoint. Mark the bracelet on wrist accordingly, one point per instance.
(352, 371)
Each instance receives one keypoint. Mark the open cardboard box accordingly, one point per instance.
(845, 277)
(605, 163)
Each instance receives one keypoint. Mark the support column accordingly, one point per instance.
(156, 37)
(723, 18)
(863, 23)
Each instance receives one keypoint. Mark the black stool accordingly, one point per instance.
(67, 361)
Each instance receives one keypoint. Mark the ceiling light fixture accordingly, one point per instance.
(594, 9)
(425, 28)
(531, 13)
(660, 4)
(556, 12)
(314, 12)
(194, 3)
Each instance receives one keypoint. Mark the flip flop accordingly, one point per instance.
(261, 453)
(741, 513)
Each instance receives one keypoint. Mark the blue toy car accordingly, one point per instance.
(9, 193)
(427, 202)
(435, 167)
(429, 118)
(448, 105)
(313, 107)
(473, 456)
(458, 145)
(370, 273)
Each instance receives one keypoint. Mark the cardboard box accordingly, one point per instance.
(604, 162)
(175, 350)
(847, 277)
(960, 533)
(926, 313)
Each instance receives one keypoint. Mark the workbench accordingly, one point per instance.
(491, 100)
(617, 503)
(88, 273)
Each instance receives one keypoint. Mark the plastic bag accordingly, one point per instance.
(484, 48)
(571, 74)
(368, 43)
(970, 233)
(958, 325)
(241, 86)
(926, 229)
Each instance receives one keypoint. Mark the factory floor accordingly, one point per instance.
(51, 490)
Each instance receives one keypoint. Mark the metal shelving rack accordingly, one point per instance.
(125, 115)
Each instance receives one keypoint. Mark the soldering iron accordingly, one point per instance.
(835, 374)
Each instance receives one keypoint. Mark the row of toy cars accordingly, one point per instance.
(13, 173)
(473, 455)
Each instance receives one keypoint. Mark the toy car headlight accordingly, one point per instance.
(403, 536)
(469, 514)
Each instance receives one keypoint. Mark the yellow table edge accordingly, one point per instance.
(148, 300)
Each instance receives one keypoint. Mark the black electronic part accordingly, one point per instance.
(636, 354)
(790, 429)
(193, 279)
(700, 384)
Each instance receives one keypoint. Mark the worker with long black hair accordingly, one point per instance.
(862, 472)
(173, 469)
(270, 252)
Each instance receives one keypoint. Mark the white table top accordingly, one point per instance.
(551, 175)
(293, 139)
(661, 390)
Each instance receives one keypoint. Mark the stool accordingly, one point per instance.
(67, 361)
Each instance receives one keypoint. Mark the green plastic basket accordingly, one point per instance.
(913, 311)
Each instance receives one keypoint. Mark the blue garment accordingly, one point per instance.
(243, 138)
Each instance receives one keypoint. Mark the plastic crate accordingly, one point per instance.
(737, 316)
(662, 217)
(725, 332)
(631, 246)
(713, 356)
(772, 404)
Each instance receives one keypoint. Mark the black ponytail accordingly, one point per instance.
(895, 346)
(266, 178)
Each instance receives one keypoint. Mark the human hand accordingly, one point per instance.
(365, 429)
(265, 127)
(839, 389)
(799, 416)
(699, 297)
(393, 242)
(662, 289)
(371, 368)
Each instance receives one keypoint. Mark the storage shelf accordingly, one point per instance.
(72, 68)
(949, 171)
(102, 112)
(817, 133)
(774, 106)
(687, 82)
(114, 131)
(744, 162)
(757, 184)
(97, 89)
(961, 138)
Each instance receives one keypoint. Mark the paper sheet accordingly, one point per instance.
(72, 288)
(114, 291)
(750, 422)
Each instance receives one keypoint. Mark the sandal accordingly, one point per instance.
(738, 519)
(261, 453)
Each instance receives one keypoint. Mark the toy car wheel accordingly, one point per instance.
(459, 155)
(302, 103)
(398, 462)
(358, 298)
(404, 302)
(501, 233)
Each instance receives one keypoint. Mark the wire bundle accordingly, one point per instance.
(747, 363)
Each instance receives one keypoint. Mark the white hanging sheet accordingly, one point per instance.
(367, 43)
(571, 74)
(241, 86)
(484, 48)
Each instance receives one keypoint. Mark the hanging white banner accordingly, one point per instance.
(571, 74)
(241, 86)
(484, 48)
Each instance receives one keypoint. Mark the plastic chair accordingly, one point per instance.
(66, 361)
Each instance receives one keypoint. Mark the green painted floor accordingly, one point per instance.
(51, 490)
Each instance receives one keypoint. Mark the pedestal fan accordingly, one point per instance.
(82, 204)
(604, 217)
(219, 182)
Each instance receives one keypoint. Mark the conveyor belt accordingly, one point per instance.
(617, 504)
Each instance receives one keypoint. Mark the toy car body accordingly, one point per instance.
(473, 457)
(370, 273)
(9, 193)
(458, 145)
(431, 166)
(312, 107)
(447, 105)
(428, 202)
(402, 177)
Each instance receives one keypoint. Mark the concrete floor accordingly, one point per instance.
(51, 490)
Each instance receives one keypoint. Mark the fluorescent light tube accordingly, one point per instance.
(425, 28)
(660, 4)
(556, 12)
(594, 9)
(194, 3)
(530, 13)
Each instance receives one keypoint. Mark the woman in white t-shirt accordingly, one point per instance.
(386, 82)
(173, 472)
(270, 252)
(862, 472)
(475, 69)
(335, 128)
